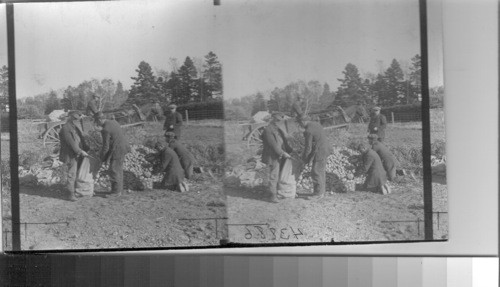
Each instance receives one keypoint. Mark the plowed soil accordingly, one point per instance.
(143, 219)
(339, 217)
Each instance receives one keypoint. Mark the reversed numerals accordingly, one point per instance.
(265, 231)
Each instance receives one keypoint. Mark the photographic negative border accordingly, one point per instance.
(427, 177)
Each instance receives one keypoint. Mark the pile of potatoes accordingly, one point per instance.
(343, 171)
(140, 169)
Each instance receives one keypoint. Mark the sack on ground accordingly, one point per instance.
(84, 179)
(287, 187)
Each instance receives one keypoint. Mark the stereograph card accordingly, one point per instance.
(174, 124)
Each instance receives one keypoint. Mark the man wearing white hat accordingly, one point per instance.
(377, 124)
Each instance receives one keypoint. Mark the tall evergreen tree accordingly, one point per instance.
(394, 84)
(144, 89)
(187, 74)
(351, 89)
(213, 72)
(190, 68)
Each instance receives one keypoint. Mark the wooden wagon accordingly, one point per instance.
(126, 117)
(332, 118)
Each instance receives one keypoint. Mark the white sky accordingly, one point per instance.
(61, 44)
(3, 35)
(267, 45)
(261, 44)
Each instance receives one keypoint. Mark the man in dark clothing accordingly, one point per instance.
(186, 158)
(389, 161)
(377, 124)
(73, 148)
(93, 106)
(114, 149)
(376, 180)
(173, 121)
(315, 149)
(170, 164)
(275, 151)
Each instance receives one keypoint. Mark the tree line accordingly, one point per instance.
(390, 87)
(4, 87)
(196, 81)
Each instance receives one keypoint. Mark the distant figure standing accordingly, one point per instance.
(114, 149)
(185, 157)
(173, 178)
(316, 149)
(376, 180)
(173, 121)
(73, 149)
(275, 151)
(389, 161)
(93, 105)
(377, 124)
(156, 111)
(297, 111)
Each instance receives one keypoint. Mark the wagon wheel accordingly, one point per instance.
(254, 139)
(51, 138)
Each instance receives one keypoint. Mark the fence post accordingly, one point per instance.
(187, 117)
(392, 117)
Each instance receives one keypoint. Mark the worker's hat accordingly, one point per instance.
(170, 135)
(99, 116)
(373, 136)
(376, 108)
(75, 115)
(363, 146)
(172, 106)
(159, 145)
(278, 116)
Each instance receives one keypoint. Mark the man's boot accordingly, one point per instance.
(71, 196)
(114, 191)
(273, 197)
(317, 194)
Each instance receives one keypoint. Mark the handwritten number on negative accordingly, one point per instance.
(282, 234)
(296, 234)
(248, 235)
(261, 230)
(273, 231)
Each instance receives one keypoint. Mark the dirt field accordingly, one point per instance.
(341, 217)
(156, 218)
